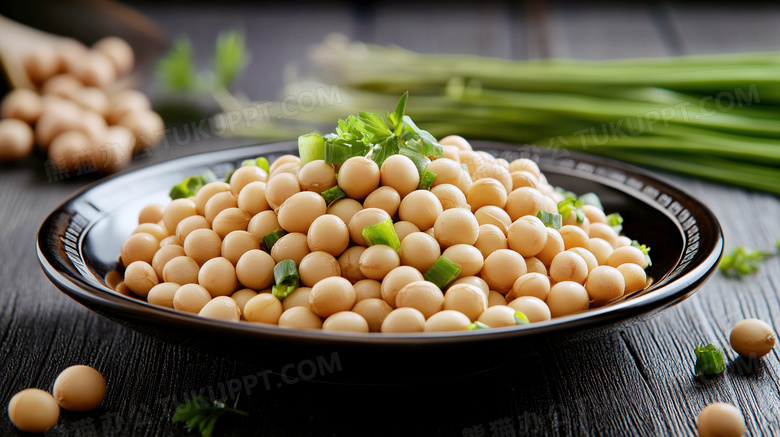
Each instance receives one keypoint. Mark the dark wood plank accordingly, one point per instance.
(637, 381)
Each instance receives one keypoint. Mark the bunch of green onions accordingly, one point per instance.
(713, 116)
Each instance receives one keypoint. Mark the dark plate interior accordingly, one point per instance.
(79, 243)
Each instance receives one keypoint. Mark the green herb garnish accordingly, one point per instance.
(382, 233)
(550, 220)
(201, 414)
(615, 221)
(476, 325)
(442, 273)
(190, 186)
(742, 261)
(286, 278)
(709, 360)
(520, 318)
(571, 205)
(366, 134)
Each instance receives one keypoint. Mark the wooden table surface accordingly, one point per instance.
(636, 382)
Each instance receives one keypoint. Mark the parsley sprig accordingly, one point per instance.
(366, 134)
(202, 414)
(743, 261)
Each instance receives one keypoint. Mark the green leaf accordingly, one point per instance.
(176, 71)
(420, 161)
(395, 119)
(387, 148)
(431, 148)
(202, 414)
(742, 261)
(374, 126)
(230, 57)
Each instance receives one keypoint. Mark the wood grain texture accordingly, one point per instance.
(635, 382)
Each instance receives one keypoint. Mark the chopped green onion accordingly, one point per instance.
(565, 193)
(190, 186)
(285, 278)
(337, 153)
(591, 199)
(382, 233)
(520, 318)
(426, 179)
(477, 325)
(257, 162)
(333, 194)
(550, 220)
(271, 238)
(311, 147)
(229, 175)
(709, 360)
(615, 221)
(569, 205)
(644, 249)
(742, 261)
(263, 163)
(442, 273)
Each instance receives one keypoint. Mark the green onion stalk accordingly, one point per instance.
(708, 116)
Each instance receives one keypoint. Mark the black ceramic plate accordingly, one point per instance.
(78, 245)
